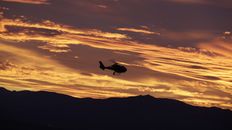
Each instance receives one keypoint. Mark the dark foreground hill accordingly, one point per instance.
(27, 110)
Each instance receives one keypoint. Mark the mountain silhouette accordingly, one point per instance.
(41, 110)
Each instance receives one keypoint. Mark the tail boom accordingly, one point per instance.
(102, 65)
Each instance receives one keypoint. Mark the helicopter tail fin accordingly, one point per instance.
(101, 65)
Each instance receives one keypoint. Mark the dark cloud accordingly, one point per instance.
(211, 77)
(179, 24)
(40, 82)
(87, 74)
(198, 67)
(33, 31)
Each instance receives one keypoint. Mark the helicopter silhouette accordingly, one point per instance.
(117, 68)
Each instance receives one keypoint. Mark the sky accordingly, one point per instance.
(177, 49)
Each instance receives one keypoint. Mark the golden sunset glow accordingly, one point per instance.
(54, 56)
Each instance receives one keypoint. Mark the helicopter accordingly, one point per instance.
(117, 68)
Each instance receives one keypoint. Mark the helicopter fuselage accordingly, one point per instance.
(115, 67)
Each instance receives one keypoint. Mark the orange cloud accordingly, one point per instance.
(138, 30)
(218, 46)
(29, 1)
(57, 27)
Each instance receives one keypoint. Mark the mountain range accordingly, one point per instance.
(27, 110)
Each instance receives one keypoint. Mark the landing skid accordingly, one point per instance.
(114, 73)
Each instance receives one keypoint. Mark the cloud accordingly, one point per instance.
(29, 1)
(102, 6)
(55, 48)
(35, 47)
(4, 65)
(37, 72)
(51, 26)
(222, 3)
(218, 46)
(136, 30)
(211, 77)
(198, 67)
(189, 35)
(190, 1)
